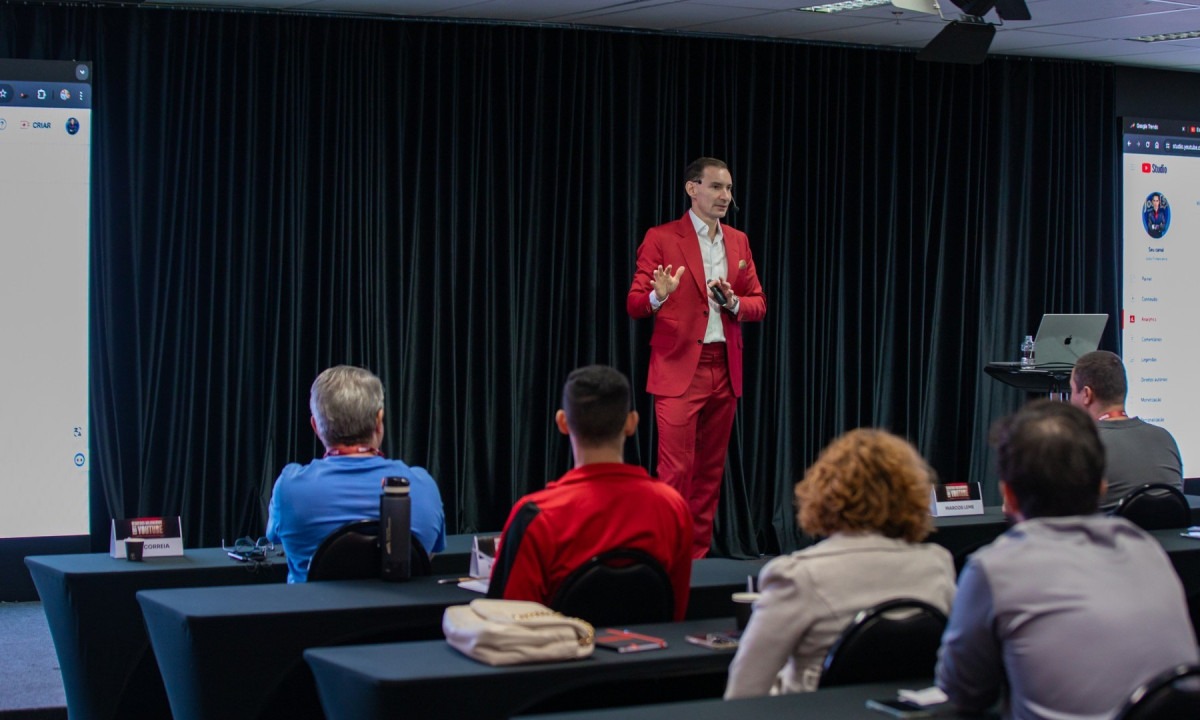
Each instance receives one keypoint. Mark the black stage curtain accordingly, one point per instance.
(458, 206)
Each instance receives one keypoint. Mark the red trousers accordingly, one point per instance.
(693, 439)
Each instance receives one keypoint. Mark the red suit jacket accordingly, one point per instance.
(680, 322)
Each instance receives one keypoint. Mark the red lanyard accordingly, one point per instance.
(1114, 415)
(346, 450)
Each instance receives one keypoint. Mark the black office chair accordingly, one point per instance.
(617, 587)
(1174, 693)
(895, 640)
(962, 555)
(1155, 506)
(352, 553)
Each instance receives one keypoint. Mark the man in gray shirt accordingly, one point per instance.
(1069, 611)
(1137, 452)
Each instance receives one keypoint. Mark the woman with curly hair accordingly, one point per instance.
(868, 495)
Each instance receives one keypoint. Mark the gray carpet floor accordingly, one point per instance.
(31, 687)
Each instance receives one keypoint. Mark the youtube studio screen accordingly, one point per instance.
(1160, 199)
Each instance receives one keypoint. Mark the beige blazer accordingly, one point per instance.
(810, 596)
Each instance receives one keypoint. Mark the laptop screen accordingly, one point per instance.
(1061, 339)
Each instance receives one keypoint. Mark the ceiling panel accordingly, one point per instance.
(419, 8)
(1012, 41)
(1110, 50)
(1051, 12)
(884, 33)
(1150, 24)
(669, 16)
(555, 10)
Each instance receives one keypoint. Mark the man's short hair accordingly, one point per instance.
(596, 400)
(694, 172)
(1049, 454)
(345, 402)
(1104, 373)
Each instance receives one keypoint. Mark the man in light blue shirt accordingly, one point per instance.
(311, 501)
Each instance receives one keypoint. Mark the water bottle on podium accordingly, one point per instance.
(1027, 352)
(395, 530)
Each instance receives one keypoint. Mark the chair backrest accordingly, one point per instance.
(352, 553)
(895, 640)
(617, 587)
(1174, 693)
(1155, 506)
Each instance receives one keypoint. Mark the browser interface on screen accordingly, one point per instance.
(1160, 219)
(45, 189)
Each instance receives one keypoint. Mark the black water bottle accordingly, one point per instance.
(395, 530)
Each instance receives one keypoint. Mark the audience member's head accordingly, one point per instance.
(347, 405)
(1098, 381)
(1050, 459)
(596, 406)
(867, 481)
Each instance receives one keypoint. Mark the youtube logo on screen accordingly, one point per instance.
(1145, 167)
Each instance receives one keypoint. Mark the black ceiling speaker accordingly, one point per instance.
(967, 40)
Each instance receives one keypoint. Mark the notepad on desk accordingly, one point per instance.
(479, 585)
(624, 641)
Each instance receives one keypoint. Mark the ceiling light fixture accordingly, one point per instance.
(837, 7)
(1163, 37)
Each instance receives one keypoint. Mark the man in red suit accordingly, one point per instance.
(697, 278)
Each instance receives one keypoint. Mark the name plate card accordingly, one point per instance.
(957, 499)
(483, 556)
(163, 536)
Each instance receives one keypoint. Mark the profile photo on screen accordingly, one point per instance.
(1156, 215)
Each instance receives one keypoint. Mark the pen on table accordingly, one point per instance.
(447, 581)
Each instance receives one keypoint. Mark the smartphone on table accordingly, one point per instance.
(899, 708)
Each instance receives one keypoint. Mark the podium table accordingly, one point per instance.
(1051, 380)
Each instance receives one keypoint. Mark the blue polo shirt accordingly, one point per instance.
(311, 501)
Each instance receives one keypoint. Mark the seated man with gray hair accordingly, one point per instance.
(311, 501)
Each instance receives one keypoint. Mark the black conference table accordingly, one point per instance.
(108, 670)
(236, 652)
(1184, 554)
(842, 703)
(965, 533)
(431, 680)
(107, 667)
(102, 643)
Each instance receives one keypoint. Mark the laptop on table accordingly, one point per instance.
(1062, 339)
